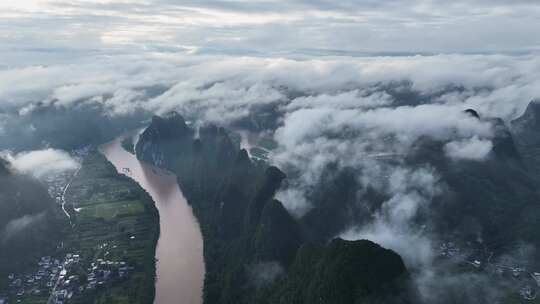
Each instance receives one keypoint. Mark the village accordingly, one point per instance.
(525, 281)
(56, 281)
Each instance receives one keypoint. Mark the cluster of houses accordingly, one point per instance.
(67, 281)
(102, 271)
(38, 283)
(98, 274)
(528, 282)
(449, 250)
(60, 280)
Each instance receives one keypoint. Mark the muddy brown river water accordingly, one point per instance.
(180, 266)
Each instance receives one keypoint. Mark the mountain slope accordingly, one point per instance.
(245, 229)
(526, 130)
(30, 223)
(343, 272)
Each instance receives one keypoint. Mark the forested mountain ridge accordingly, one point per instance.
(30, 223)
(249, 237)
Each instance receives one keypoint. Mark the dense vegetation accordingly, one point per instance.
(127, 144)
(116, 221)
(527, 134)
(251, 242)
(485, 199)
(30, 222)
(112, 220)
(342, 273)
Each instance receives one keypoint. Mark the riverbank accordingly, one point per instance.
(114, 235)
(180, 266)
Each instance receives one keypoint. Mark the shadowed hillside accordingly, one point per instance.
(247, 233)
(30, 223)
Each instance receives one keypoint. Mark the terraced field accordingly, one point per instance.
(111, 210)
(115, 221)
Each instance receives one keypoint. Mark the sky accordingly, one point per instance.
(39, 31)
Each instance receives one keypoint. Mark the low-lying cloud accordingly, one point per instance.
(42, 163)
(365, 114)
(18, 225)
(471, 149)
(224, 89)
(265, 273)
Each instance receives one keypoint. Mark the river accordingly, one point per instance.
(180, 265)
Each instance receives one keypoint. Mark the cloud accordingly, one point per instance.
(265, 273)
(471, 149)
(297, 204)
(311, 139)
(349, 99)
(397, 239)
(67, 84)
(225, 88)
(41, 163)
(412, 191)
(18, 225)
(264, 27)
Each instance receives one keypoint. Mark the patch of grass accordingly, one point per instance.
(109, 210)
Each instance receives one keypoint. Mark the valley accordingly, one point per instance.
(191, 213)
(254, 250)
(180, 267)
(269, 152)
(107, 252)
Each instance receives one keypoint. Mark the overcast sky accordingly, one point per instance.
(59, 29)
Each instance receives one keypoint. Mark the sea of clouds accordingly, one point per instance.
(346, 111)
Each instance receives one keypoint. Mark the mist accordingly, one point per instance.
(19, 225)
(369, 116)
(42, 163)
(394, 121)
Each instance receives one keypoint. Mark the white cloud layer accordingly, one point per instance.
(56, 29)
(224, 88)
(470, 149)
(42, 163)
